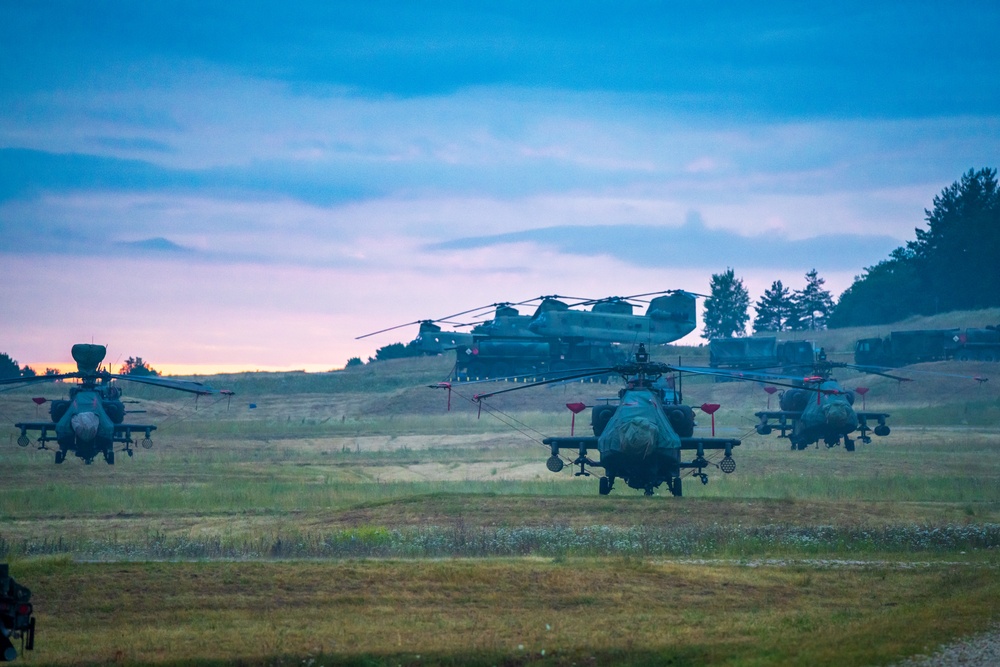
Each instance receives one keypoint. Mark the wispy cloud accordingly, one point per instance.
(324, 167)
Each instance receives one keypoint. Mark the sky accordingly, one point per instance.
(249, 186)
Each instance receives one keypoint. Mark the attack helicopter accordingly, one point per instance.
(820, 409)
(92, 420)
(641, 439)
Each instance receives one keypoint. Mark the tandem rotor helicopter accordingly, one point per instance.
(91, 421)
(641, 439)
(562, 332)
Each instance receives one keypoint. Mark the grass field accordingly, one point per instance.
(349, 519)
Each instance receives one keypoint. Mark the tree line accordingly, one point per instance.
(9, 368)
(951, 265)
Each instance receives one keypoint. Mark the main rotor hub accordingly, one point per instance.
(88, 357)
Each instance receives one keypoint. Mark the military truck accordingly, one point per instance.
(16, 621)
(765, 352)
(901, 348)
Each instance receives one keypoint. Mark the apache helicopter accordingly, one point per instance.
(820, 409)
(91, 421)
(640, 440)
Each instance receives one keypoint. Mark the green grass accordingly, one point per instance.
(571, 611)
(370, 526)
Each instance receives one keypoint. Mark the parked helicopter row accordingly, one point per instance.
(639, 440)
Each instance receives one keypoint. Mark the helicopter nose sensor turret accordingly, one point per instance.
(85, 426)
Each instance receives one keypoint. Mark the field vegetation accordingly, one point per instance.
(349, 518)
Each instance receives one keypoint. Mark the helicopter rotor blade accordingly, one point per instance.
(166, 383)
(398, 326)
(591, 372)
(34, 379)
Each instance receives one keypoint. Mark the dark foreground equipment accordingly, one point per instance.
(16, 621)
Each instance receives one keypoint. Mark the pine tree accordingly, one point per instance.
(956, 255)
(726, 309)
(813, 305)
(774, 309)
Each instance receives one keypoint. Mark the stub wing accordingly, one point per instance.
(780, 415)
(876, 416)
(590, 442)
(123, 432)
(47, 432)
(582, 443)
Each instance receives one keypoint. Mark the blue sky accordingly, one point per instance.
(252, 185)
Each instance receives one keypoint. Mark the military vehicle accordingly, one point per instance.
(16, 620)
(668, 317)
(93, 419)
(641, 439)
(760, 352)
(901, 348)
(559, 336)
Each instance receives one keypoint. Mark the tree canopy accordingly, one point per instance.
(951, 265)
(774, 309)
(136, 366)
(10, 369)
(811, 305)
(726, 308)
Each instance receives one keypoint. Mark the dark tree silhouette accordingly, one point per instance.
(137, 366)
(8, 367)
(774, 309)
(812, 304)
(951, 265)
(726, 309)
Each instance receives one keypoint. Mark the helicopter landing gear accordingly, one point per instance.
(865, 439)
(109, 456)
(607, 483)
(703, 477)
(130, 453)
(674, 484)
(848, 444)
(60, 457)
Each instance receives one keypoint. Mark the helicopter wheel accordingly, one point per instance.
(704, 478)
(109, 456)
(865, 439)
(848, 444)
(129, 452)
(605, 486)
(60, 457)
(675, 487)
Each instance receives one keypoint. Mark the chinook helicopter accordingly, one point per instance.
(641, 439)
(820, 409)
(91, 421)
(668, 317)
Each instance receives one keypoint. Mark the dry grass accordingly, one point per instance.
(373, 451)
(498, 612)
